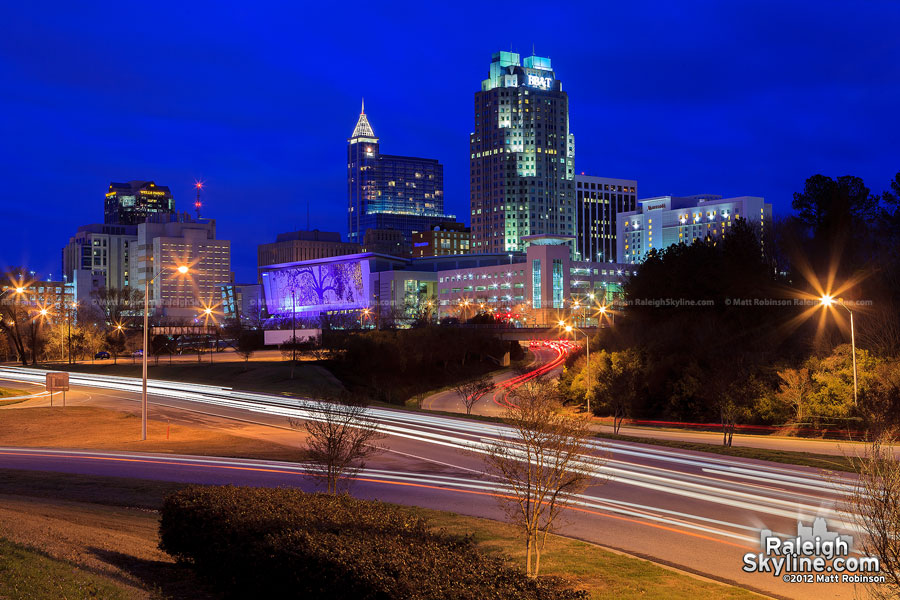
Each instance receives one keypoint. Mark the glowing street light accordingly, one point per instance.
(587, 355)
(182, 269)
(827, 300)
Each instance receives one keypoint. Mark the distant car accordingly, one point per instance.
(102, 354)
(137, 353)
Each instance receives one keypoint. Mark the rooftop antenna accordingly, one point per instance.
(363, 111)
(307, 214)
(198, 204)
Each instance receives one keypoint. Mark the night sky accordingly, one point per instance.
(258, 101)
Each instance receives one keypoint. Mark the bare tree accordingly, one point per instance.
(544, 464)
(248, 342)
(875, 506)
(470, 391)
(340, 438)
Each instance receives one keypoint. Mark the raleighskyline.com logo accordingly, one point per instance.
(816, 555)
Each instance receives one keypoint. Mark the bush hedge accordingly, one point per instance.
(285, 543)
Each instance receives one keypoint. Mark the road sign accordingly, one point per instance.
(57, 382)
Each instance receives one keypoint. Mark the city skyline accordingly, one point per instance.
(652, 102)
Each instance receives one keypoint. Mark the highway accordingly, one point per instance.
(549, 358)
(696, 511)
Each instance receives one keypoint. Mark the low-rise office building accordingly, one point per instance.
(597, 202)
(300, 245)
(242, 301)
(99, 256)
(163, 247)
(548, 285)
(442, 240)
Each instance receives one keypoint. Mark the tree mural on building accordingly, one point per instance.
(319, 285)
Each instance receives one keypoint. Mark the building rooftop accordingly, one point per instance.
(363, 129)
(309, 236)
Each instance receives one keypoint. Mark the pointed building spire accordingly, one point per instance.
(363, 129)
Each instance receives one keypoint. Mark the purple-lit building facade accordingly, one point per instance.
(533, 289)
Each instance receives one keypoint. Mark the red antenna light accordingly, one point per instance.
(198, 204)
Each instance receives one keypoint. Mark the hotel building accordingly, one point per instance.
(666, 220)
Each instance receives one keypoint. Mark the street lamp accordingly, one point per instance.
(587, 355)
(70, 314)
(828, 300)
(207, 313)
(182, 270)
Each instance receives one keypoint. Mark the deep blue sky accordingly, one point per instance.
(258, 100)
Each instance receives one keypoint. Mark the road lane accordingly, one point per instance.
(697, 511)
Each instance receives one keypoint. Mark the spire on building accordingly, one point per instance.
(363, 129)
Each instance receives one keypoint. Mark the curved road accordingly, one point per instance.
(697, 511)
(548, 360)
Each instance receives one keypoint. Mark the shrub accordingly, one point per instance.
(281, 542)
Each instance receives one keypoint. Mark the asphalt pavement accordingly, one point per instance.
(698, 512)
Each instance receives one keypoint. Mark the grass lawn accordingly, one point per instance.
(602, 573)
(102, 429)
(806, 459)
(108, 526)
(26, 573)
(10, 393)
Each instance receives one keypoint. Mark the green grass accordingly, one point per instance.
(804, 459)
(9, 393)
(28, 574)
(605, 574)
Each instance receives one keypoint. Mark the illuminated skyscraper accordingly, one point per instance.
(522, 172)
(131, 203)
(390, 192)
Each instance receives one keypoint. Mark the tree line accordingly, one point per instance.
(732, 330)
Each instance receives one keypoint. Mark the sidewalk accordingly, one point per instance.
(830, 447)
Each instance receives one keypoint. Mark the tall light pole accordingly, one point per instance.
(604, 311)
(587, 357)
(183, 270)
(70, 313)
(828, 300)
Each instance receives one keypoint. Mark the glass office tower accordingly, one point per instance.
(133, 202)
(385, 191)
(521, 156)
